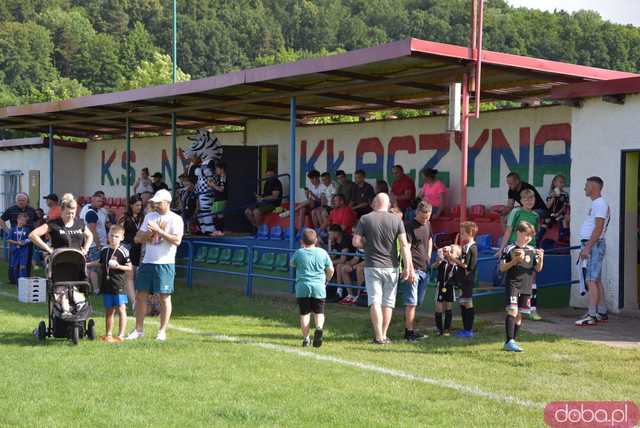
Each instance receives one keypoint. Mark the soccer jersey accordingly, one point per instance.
(446, 281)
(114, 281)
(466, 276)
(520, 276)
(523, 215)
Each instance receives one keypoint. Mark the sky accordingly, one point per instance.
(618, 11)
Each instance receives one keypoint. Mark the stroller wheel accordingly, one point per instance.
(75, 335)
(42, 331)
(91, 330)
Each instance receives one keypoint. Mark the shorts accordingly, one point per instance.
(466, 291)
(515, 298)
(155, 278)
(218, 207)
(310, 304)
(595, 260)
(114, 300)
(382, 286)
(93, 254)
(445, 292)
(413, 294)
(265, 209)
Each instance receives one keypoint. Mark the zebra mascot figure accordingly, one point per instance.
(206, 150)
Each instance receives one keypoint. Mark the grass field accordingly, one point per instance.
(230, 360)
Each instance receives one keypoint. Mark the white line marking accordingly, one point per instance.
(443, 383)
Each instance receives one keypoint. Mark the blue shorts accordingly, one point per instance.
(155, 278)
(114, 300)
(595, 260)
(93, 254)
(413, 294)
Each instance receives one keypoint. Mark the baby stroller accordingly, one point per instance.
(67, 290)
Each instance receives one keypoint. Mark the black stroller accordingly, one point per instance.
(67, 298)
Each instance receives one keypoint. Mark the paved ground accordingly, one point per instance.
(622, 330)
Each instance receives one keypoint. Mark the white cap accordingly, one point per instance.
(161, 195)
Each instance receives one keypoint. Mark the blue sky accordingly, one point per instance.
(618, 11)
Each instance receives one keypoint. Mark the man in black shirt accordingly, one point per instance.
(419, 236)
(516, 185)
(362, 194)
(158, 183)
(266, 202)
(519, 261)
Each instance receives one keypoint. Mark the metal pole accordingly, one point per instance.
(478, 41)
(174, 45)
(465, 147)
(50, 159)
(292, 183)
(128, 158)
(174, 153)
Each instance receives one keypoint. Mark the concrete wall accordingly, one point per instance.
(600, 132)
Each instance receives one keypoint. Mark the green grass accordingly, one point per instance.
(195, 379)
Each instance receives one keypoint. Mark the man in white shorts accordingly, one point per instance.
(383, 238)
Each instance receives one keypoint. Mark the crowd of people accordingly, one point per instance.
(379, 242)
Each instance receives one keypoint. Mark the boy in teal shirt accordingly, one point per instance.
(314, 270)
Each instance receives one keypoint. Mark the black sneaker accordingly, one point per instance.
(419, 335)
(306, 342)
(411, 337)
(602, 317)
(317, 339)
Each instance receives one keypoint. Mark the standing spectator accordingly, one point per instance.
(161, 233)
(95, 218)
(341, 215)
(11, 216)
(362, 194)
(54, 206)
(131, 222)
(143, 183)
(319, 215)
(403, 189)
(418, 233)
(19, 248)
(465, 275)
(267, 201)
(516, 186)
(220, 195)
(592, 240)
(558, 207)
(379, 233)
(345, 186)
(381, 187)
(157, 182)
(188, 203)
(433, 191)
(313, 270)
(147, 205)
(40, 218)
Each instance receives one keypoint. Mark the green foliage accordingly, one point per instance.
(154, 72)
(61, 88)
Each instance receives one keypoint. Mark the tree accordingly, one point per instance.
(154, 72)
(98, 65)
(137, 47)
(61, 88)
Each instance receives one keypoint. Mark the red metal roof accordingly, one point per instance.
(629, 85)
(409, 73)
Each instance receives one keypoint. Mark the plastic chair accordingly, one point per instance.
(213, 255)
(483, 242)
(477, 211)
(239, 257)
(282, 262)
(201, 255)
(276, 233)
(286, 233)
(267, 261)
(225, 256)
(263, 232)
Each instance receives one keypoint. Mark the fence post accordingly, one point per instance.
(190, 265)
(249, 289)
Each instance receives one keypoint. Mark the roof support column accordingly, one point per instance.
(50, 159)
(464, 149)
(174, 154)
(292, 181)
(128, 158)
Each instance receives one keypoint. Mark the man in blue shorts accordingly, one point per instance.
(161, 233)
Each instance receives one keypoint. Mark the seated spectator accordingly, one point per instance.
(558, 205)
(267, 201)
(158, 183)
(143, 183)
(339, 244)
(381, 187)
(313, 193)
(351, 265)
(341, 215)
(434, 192)
(362, 194)
(345, 186)
(319, 215)
(403, 189)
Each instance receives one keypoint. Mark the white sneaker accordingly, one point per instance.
(161, 336)
(135, 334)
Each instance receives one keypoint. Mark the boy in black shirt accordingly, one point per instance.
(465, 275)
(114, 262)
(445, 283)
(220, 195)
(519, 260)
(340, 243)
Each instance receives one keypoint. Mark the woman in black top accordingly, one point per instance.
(131, 223)
(66, 231)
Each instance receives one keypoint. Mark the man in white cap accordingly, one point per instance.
(161, 234)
